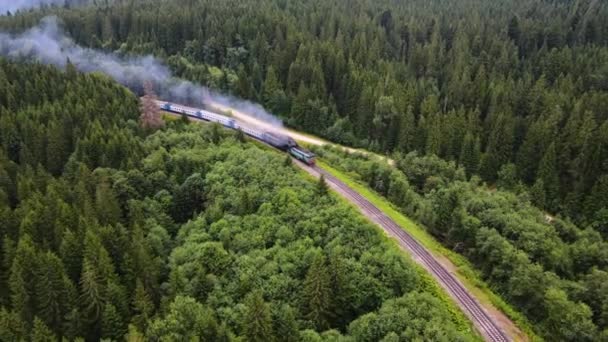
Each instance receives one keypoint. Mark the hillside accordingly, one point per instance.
(493, 113)
(108, 229)
(487, 84)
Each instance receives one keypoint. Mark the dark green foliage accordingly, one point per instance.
(175, 236)
(322, 187)
(42, 333)
(446, 78)
(317, 295)
(257, 321)
(549, 268)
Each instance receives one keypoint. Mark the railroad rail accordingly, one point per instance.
(481, 320)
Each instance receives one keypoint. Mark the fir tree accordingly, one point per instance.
(547, 172)
(112, 324)
(143, 307)
(470, 154)
(537, 194)
(322, 187)
(317, 294)
(258, 322)
(42, 333)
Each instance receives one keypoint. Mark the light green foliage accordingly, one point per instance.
(538, 263)
(181, 237)
(484, 83)
(186, 319)
(257, 320)
(391, 320)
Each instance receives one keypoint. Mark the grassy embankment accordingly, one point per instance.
(464, 270)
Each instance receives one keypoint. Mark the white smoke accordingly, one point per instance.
(48, 44)
(14, 5)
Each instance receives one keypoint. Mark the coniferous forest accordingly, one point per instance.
(110, 230)
(496, 113)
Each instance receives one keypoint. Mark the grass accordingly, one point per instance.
(465, 271)
(428, 283)
(168, 117)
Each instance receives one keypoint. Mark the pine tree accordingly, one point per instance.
(270, 87)
(434, 137)
(93, 292)
(507, 177)
(317, 294)
(537, 194)
(597, 198)
(42, 333)
(322, 187)
(12, 328)
(22, 280)
(240, 136)
(56, 149)
(258, 322)
(112, 325)
(108, 208)
(244, 88)
(51, 291)
(285, 324)
(547, 172)
(470, 154)
(513, 29)
(288, 161)
(143, 308)
(71, 254)
(407, 132)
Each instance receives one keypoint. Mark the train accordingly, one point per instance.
(282, 142)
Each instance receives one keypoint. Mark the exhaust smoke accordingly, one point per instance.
(47, 43)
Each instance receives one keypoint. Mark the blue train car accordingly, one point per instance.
(231, 124)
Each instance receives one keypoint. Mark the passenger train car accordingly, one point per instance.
(282, 142)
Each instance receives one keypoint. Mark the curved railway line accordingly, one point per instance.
(488, 328)
(482, 321)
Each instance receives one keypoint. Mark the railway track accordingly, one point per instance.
(482, 321)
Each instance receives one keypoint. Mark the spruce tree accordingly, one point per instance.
(322, 187)
(42, 333)
(112, 324)
(537, 194)
(143, 307)
(51, 291)
(547, 172)
(22, 280)
(470, 154)
(258, 322)
(285, 324)
(270, 86)
(317, 295)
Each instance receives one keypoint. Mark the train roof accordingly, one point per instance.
(304, 151)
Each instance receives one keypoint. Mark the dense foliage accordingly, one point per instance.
(484, 83)
(108, 230)
(553, 271)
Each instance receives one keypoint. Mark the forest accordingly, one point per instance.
(552, 270)
(495, 112)
(510, 82)
(112, 231)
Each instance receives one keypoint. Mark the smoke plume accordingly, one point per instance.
(48, 44)
(14, 5)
